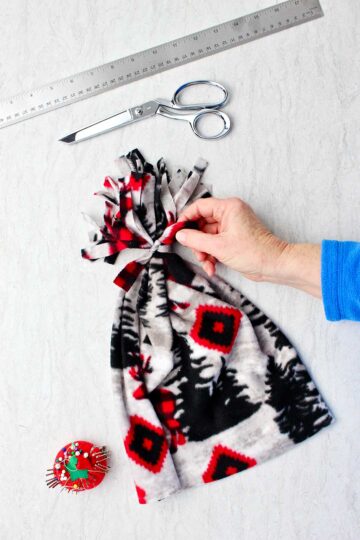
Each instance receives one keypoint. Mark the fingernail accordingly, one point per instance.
(180, 236)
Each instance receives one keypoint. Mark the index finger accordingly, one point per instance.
(207, 208)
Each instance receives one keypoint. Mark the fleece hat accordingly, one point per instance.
(206, 384)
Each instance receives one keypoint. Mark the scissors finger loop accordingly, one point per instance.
(225, 128)
(212, 105)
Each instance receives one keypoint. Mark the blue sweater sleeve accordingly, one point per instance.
(340, 279)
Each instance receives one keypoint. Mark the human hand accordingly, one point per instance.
(231, 233)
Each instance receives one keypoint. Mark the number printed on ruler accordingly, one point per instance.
(157, 59)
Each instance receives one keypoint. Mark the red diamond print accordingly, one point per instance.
(146, 444)
(225, 462)
(216, 327)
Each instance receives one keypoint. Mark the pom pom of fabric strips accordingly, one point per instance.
(206, 384)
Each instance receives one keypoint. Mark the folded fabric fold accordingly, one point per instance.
(206, 384)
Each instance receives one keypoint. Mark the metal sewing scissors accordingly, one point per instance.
(192, 113)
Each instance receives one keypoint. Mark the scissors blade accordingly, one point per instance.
(113, 122)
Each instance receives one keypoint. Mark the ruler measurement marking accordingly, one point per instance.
(141, 65)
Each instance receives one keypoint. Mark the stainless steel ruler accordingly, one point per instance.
(151, 61)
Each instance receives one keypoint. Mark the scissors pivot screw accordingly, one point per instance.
(139, 111)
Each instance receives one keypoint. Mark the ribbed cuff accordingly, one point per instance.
(330, 278)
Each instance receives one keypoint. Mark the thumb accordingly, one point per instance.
(208, 243)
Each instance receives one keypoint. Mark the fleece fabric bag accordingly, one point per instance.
(206, 384)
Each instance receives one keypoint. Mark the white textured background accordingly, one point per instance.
(293, 153)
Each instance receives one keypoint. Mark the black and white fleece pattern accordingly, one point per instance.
(206, 384)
